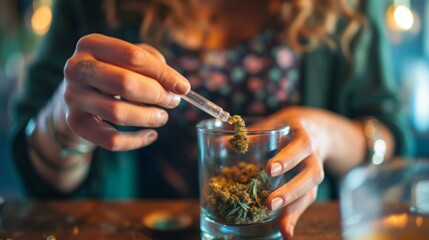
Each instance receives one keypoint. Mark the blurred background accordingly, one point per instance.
(24, 22)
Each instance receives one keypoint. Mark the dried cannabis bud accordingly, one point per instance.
(240, 141)
(238, 194)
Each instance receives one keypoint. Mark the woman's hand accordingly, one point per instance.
(109, 81)
(319, 137)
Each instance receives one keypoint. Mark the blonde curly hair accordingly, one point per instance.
(305, 23)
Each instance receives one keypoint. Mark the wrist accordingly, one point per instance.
(66, 144)
(63, 174)
(375, 144)
(43, 149)
(346, 144)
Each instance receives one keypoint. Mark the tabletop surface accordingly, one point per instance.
(91, 219)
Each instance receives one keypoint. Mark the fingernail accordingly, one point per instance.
(174, 101)
(276, 169)
(276, 203)
(182, 86)
(151, 137)
(163, 117)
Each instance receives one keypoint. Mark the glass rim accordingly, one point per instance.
(367, 170)
(394, 163)
(203, 126)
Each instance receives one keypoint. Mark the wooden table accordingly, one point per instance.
(89, 219)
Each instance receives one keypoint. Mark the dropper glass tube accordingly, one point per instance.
(206, 105)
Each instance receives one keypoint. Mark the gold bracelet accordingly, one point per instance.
(376, 146)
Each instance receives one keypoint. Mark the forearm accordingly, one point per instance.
(338, 141)
(63, 172)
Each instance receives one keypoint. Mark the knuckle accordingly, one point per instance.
(152, 120)
(307, 143)
(313, 195)
(82, 42)
(153, 51)
(292, 196)
(127, 84)
(70, 68)
(80, 70)
(134, 56)
(318, 176)
(159, 96)
(86, 40)
(162, 73)
(145, 46)
(86, 69)
(112, 143)
(118, 115)
(85, 65)
(69, 97)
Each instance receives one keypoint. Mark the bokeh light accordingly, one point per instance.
(41, 20)
(400, 17)
(421, 98)
(403, 17)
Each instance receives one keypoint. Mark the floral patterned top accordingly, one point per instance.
(255, 78)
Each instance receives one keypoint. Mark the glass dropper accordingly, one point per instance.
(206, 105)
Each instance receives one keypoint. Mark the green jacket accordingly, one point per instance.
(364, 88)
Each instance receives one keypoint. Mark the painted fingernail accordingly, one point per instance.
(151, 137)
(276, 203)
(182, 86)
(276, 169)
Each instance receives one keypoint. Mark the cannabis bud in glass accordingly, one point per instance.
(240, 141)
(237, 195)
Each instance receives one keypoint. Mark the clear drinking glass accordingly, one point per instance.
(389, 201)
(234, 185)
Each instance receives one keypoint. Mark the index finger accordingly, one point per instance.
(297, 150)
(130, 56)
